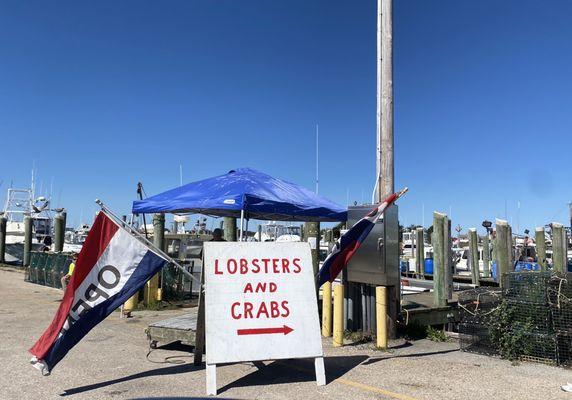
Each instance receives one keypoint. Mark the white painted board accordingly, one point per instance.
(277, 319)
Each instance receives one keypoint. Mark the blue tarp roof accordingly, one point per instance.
(261, 196)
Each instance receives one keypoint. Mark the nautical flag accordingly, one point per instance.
(111, 267)
(352, 240)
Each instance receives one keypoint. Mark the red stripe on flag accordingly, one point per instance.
(95, 244)
(342, 259)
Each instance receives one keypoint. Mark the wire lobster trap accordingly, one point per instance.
(529, 320)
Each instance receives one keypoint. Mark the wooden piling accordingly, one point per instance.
(502, 250)
(510, 244)
(327, 309)
(230, 229)
(3, 224)
(260, 233)
(439, 296)
(27, 241)
(474, 255)
(448, 258)
(419, 252)
(540, 240)
(59, 233)
(486, 256)
(338, 315)
(152, 286)
(313, 235)
(381, 316)
(558, 249)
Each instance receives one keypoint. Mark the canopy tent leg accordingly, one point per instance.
(241, 225)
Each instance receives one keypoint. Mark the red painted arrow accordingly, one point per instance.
(264, 331)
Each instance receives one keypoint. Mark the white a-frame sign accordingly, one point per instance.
(260, 305)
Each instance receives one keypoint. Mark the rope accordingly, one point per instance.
(166, 360)
(478, 303)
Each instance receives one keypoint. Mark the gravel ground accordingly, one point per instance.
(111, 363)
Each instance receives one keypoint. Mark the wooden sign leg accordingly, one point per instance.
(211, 379)
(200, 333)
(320, 371)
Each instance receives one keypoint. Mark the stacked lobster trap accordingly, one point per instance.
(529, 320)
(48, 268)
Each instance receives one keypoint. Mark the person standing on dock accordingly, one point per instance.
(66, 278)
(217, 236)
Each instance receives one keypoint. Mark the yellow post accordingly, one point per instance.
(151, 290)
(338, 315)
(381, 316)
(130, 304)
(327, 309)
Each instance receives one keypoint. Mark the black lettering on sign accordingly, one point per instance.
(101, 278)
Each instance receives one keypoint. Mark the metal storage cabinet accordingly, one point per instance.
(377, 260)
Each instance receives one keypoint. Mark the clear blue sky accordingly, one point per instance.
(102, 94)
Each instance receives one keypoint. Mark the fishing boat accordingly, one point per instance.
(21, 203)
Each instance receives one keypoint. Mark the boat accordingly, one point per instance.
(75, 238)
(21, 203)
(276, 232)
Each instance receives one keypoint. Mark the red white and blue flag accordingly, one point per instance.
(111, 267)
(351, 241)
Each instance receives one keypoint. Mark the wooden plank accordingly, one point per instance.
(181, 328)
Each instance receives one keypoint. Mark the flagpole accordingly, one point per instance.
(146, 241)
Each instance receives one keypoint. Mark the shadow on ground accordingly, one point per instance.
(390, 356)
(276, 372)
(296, 370)
(180, 398)
(180, 367)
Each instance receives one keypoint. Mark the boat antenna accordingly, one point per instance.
(33, 183)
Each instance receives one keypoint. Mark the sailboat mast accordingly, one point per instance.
(317, 158)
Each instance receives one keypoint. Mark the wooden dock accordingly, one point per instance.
(419, 308)
(182, 328)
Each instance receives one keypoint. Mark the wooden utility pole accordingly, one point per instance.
(384, 159)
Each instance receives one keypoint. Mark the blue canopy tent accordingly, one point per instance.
(245, 193)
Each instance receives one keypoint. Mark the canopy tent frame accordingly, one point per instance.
(243, 194)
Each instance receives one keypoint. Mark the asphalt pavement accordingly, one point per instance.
(112, 362)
